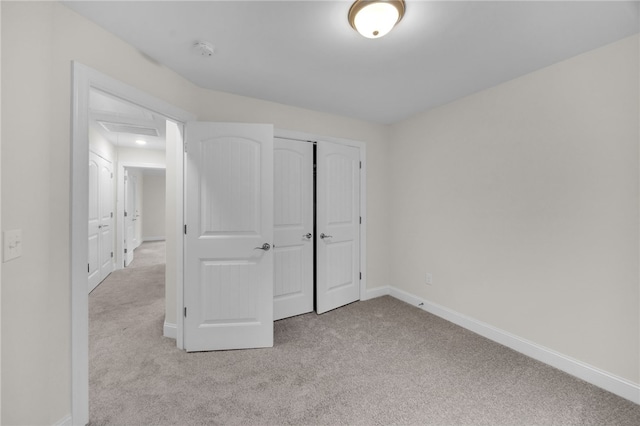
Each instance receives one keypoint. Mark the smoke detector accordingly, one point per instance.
(204, 48)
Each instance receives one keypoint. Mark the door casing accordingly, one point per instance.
(84, 79)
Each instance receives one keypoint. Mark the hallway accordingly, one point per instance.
(127, 307)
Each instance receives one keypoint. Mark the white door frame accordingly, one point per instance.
(308, 137)
(120, 233)
(85, 79)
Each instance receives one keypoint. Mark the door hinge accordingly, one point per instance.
(185, 229)
(125, 251)
(185, 311)
(360, 220)
(125, 214)
(360, 275)
(88, 268)
(185, 147)
(361, 164)
(111, 254)
(111, 214)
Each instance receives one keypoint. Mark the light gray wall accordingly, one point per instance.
(522, 201)
(153, 206)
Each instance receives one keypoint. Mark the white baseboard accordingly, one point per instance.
(145, 239)
(372, 293)
(586, 372)
(65, 421)
(170, 330)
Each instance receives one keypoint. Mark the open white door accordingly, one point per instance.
(94, 221)
(293, 233)
(338, 225)
(100, 220)
(106, 219)
(228, 277)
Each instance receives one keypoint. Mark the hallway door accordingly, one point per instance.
(100, 220)
(293, 229)
(338, 225)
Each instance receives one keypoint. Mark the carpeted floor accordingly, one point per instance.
(149, 253)
(378, 362)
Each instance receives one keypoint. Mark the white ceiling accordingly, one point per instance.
(123, 123)
(304, 53)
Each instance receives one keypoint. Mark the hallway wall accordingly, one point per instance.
(153, 206)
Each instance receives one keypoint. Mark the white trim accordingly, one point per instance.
(309, 137)
(180, 153)
(145, 239)
(574, 367)
(120, 184)
(65, 421)
(170, 330)
(372, 293)
(83, 80)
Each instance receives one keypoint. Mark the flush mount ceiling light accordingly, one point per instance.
(375, 18)
(141, 142)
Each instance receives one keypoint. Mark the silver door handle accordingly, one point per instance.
(265, 247)
(308, 236)
(323, 236)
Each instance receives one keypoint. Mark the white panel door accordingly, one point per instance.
(228, 278)
(106, 219)
(293, 228)
(100, 220)
(129, 216)
(338, 225)
(94, 221)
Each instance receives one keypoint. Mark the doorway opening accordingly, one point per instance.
(85, 82)
(127, 203)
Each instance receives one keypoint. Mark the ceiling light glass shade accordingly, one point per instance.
(375, 18)
(141, 142)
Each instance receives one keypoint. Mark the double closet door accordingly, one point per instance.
(316, 222)
(261, 243)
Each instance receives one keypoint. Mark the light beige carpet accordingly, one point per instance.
(378, 362)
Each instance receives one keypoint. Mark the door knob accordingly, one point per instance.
(323, 236)
(265, 247)
(308, 236)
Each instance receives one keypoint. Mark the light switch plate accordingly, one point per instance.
(12, 244)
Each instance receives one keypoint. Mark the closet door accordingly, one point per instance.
(338, 225)
(293, 228)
